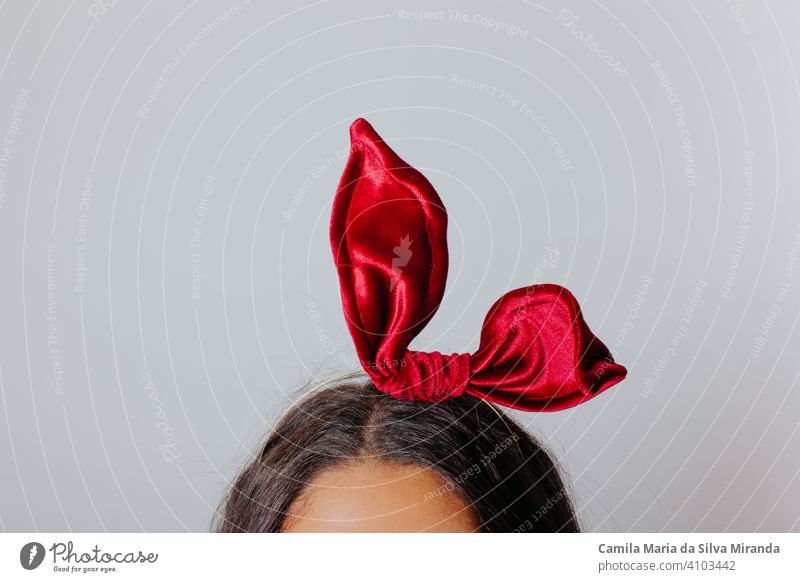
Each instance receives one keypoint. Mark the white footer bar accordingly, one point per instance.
(418, 557)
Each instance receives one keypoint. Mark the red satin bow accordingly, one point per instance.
(389, 239)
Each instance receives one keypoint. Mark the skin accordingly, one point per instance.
(372, 496)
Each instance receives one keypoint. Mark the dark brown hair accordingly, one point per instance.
(504, 475)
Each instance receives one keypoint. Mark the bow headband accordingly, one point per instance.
(388, 234)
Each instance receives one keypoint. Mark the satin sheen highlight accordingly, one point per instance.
(388, 235)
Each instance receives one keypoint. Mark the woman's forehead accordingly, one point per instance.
(374, 496)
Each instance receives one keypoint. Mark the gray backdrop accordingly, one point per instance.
(166, 174)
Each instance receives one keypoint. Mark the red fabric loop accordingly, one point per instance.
(389, 239)
(427, 376)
